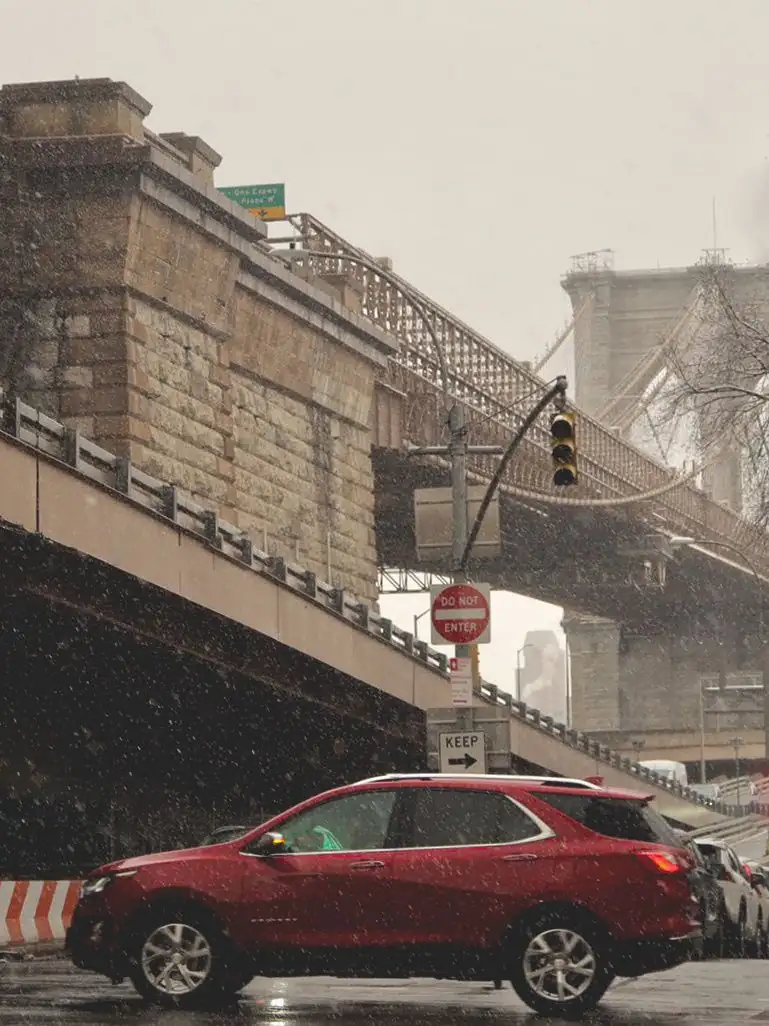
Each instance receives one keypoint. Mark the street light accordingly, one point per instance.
(417, 618)
(702, 733)
(680, 542)
(737, 743)
(518, 668)
(567, 667)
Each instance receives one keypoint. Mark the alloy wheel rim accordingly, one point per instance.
(559, 965)
(176, 959)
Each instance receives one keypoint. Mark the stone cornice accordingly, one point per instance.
(167, 183)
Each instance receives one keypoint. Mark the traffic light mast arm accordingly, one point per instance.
(557, 390)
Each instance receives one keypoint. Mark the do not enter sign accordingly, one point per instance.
(461, 614)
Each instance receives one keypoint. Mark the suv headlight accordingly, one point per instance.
(99, 883)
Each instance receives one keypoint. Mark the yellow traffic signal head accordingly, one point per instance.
(562, 425)
(564, 449)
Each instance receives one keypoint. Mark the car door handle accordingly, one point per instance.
(367, 864)
(519, 858)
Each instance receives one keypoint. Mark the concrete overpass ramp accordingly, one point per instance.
(69, 491)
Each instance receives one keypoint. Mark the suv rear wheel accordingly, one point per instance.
(179, 960)
(560, 965)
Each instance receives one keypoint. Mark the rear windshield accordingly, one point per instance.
(625, 818)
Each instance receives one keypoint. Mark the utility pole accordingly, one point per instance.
(703, 762)
(737, 743)
(458, 450)
(462, 536)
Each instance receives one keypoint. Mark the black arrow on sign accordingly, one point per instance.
(467, 761)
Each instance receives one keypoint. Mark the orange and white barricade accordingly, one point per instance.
(34, 911)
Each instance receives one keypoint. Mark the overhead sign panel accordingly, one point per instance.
(267, 202)
(433, 513)
(462, 752)
(460, 614)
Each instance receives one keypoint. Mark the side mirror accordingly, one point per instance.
(271, 843)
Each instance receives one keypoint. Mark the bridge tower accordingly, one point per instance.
(632, 315)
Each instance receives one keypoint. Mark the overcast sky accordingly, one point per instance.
(479, 144)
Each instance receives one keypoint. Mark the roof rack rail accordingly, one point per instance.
(587, 784)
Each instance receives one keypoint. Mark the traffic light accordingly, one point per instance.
(564, 445)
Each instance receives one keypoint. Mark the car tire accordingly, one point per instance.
(560, 965)
(180, 958)
(714, 946)
(734, 937)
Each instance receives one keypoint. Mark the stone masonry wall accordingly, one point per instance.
(149, 318)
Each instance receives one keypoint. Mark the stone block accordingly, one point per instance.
(75, 107)
(149, 339)
(88, 351)
(76, 376)
(109, 427)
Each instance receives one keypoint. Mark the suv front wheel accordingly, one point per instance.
(179, 960)
(560, 965)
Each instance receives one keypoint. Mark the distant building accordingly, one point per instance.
(543, 674)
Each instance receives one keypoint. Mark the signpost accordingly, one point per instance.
(463, 752)
(267, 202)
(460, 614)
(461, 681)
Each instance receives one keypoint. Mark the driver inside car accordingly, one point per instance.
(316, 838)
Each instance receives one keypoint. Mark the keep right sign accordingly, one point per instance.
(463, 752)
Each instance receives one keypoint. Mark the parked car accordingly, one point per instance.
(710, 791)
(556, 888)
(741, 923)
(759, 879)
(708, 893)
(675, 772)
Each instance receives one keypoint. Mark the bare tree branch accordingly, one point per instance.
(718, 383)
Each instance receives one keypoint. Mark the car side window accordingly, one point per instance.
(734, 864)
(444, 818)
(354, 822)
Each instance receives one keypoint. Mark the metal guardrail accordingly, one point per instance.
(32, 428)
(601, 753)
(44, 434)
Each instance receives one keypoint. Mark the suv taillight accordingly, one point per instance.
(664, 861)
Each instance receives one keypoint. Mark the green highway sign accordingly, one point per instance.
(267, 202)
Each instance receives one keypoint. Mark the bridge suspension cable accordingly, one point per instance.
(627, 500)
(585, 307)
(633, 395)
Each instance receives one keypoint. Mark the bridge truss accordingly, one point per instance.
(400, 582)
(495, 388)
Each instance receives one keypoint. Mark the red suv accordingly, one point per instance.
(556, 887)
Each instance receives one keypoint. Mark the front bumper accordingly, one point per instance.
(654, 954)
(92, 943)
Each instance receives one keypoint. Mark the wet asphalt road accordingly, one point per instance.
(50, 993)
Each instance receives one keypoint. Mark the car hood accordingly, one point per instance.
(147, 860)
